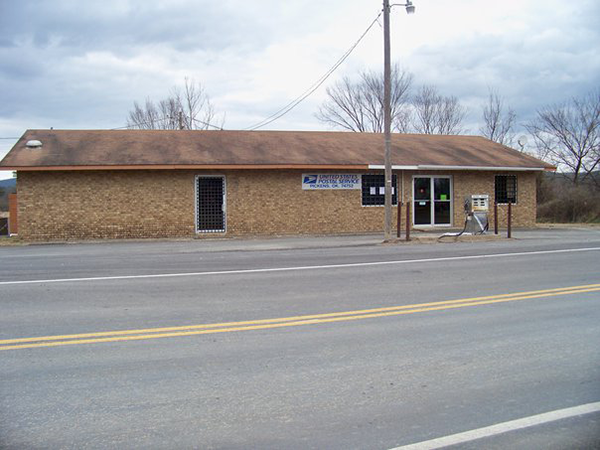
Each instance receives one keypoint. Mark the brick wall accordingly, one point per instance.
(147, 204)
(481, 182)
(261, 202)
(523, 212)
(105, 204)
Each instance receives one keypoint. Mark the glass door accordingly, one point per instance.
(441, 201)
(432, 200)
(422, 200)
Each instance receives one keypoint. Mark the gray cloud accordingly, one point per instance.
(73, 64)
(122, 26)
(547, 63)
(105, 26)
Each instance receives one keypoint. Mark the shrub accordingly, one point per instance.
(559, 200)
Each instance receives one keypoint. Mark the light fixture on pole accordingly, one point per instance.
(387, 112)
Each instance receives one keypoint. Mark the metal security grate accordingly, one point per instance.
(506, 189)
(210, 194)
(373, 190)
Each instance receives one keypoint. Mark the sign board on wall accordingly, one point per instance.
(318, 181)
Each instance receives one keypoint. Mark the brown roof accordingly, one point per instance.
(106, 149)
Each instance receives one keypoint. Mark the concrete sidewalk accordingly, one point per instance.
(271, 242)
(335, 241)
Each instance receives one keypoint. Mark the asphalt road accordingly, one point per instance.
(399, 346)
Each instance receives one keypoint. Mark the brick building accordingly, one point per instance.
(79, 184)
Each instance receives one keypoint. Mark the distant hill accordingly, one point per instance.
(9, 183)
(566, 178)
(6, 187)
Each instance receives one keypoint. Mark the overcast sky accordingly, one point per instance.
(71, 64)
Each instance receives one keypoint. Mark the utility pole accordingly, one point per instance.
(181, 120)
(387, 112)
(387, 121)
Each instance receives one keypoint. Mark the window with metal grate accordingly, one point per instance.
(373, 190)
(506, 188)
(210, 195)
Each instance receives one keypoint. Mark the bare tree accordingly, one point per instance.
(435, 113)
(187, 108)
(358, 106)
(568, 134)
(499, 121)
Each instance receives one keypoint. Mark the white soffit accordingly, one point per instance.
(429, 167)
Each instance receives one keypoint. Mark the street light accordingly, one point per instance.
(387, 112)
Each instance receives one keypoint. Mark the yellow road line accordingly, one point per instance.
(286, 319)
(155, 333)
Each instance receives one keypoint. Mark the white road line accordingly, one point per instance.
(297, 268)
(500, 428)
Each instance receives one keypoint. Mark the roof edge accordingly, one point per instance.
(187, 167)
(437, 167)
(269, 166)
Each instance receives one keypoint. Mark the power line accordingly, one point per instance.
(281, 112)
(207, 124)
(9, 138)
(137, 124)
(291, 105)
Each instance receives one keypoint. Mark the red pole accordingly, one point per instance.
(495, 217)
(13, 222)
(399, 224)
(407, 221)
(509, 219)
